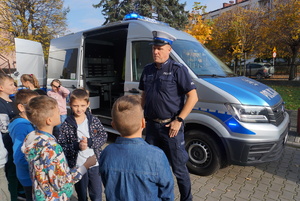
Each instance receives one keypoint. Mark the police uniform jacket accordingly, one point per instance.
(165, 89)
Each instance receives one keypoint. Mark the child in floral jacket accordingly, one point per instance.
(83, 135)
(51, 177)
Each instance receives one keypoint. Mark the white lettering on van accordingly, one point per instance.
(167, 73)
(269, 93)
(250, 82)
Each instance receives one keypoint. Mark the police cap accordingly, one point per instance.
(162, 38)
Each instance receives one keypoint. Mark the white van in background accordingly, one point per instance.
(237, 120)
(29, 60)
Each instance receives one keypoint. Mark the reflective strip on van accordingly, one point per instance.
(228, 120)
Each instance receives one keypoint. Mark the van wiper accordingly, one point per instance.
(211, 75)
(231, 75)
(214, 75)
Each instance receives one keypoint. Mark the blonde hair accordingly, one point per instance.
(30, 78)
(81, 94)
(39, 109)
(4, 77)
(127, 114)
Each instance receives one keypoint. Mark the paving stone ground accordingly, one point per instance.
(278, 180)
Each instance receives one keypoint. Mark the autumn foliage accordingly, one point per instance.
(243, 33)
(198, 27)
(37, 20)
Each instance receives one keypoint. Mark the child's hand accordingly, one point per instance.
(83, 144)
(90, 161)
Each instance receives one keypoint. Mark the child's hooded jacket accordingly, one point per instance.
(18, 129)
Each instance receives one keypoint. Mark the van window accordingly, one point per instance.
(141, 56)
(63, 64)
(201, 61)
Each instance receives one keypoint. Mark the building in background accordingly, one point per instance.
(247, 4)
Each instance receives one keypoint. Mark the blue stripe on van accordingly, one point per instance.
(227, 119)
(246, 90)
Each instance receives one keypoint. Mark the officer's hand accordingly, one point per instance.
(174, 128)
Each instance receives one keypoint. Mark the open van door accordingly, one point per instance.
(30, 60)
(65, 61)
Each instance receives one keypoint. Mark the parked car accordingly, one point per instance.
(260, 60)
(260, 70)
(278, 61)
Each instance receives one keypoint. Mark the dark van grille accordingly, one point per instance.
(267, 151)
(276, 114)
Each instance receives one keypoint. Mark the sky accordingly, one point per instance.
(84, 16)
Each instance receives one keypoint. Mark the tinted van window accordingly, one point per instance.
(141, 56)
(63, 64)
(199, 59)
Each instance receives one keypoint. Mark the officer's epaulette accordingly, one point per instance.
(149, 64)
(178, 64)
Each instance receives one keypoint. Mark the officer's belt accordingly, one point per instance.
(162, 121)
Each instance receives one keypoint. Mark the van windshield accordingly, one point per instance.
(200, 60)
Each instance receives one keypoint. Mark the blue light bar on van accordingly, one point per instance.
(135, 16)
(132, 16)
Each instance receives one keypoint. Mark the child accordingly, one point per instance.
(7, 112)
(31, 82)
(51, 177)
(4, 195)
(131, 169)
(18, 129)
(60, 94)
(82, 135)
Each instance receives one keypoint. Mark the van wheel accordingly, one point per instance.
(259, 76)
(204, 153)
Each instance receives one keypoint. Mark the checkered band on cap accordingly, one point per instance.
(162, 38)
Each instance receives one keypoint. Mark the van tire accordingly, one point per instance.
(204, 153)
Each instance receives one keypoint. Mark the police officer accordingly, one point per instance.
(165, 85)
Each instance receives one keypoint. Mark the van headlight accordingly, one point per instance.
(249, 113)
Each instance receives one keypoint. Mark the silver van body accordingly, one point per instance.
(237, 120)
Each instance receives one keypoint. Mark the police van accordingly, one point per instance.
(237, 120)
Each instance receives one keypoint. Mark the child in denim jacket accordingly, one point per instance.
(130, 168)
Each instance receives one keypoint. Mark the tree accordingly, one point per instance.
(198, 27)
(234, 34)
(168, 11)
(38, 20)
(281, 30)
